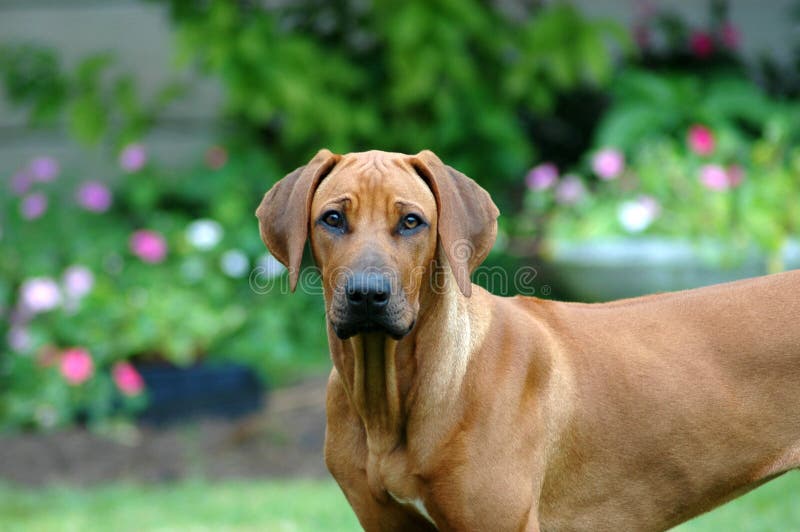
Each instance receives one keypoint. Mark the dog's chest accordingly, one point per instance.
(400, 483)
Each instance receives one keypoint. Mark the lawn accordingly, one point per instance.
(298, 505)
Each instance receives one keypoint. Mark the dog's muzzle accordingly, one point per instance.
(368, 302)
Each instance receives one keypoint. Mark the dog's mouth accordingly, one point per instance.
(345, 330)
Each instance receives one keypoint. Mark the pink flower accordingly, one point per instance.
(735, 175)
(39, 294)
(44, 169)
(570, 190)
(148, 245)
(78, 281)
(21, 182)
(701, 139)
(608, 163)
(33, 206)
(127, 379)
(133, 157)
(216, 157)
(93, 196)
(714, 177)
(701, 44)
(76, 366)
(542, 177)
(730, 35)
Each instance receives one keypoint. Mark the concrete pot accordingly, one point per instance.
(604, 270)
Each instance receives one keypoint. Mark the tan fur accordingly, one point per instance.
(522, 414)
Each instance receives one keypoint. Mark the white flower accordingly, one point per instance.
(19, 338)
(636, 215)
(39, 294)
(234, 263)
(78, 281)
(204, 234)
(269, 266)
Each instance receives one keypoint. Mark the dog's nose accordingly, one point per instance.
(368, 292)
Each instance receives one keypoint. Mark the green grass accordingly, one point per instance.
(297, 505)
(772, 507)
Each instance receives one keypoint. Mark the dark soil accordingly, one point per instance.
(283, 440)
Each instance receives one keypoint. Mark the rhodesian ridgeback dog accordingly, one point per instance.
(450, 408)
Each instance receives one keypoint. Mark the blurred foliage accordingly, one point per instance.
(97, 100)
(737, 190)
(732, 189)
(454, 76)
(188, 307)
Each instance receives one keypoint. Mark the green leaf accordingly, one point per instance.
(88, 119)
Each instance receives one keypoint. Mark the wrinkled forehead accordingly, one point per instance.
(373, 179)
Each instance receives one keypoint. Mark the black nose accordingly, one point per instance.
(368, 292)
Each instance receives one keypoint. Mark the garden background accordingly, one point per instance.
(153, 372)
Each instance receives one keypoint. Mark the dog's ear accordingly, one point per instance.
(467, 222)
(283, 213)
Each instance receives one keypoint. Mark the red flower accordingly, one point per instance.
(701, 44)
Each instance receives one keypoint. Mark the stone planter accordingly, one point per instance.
(604, 270)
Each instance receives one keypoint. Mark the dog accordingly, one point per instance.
(451, 408)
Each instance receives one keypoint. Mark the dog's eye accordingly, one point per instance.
(410, 222)
(333, 219)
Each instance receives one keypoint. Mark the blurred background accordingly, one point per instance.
(153, 375)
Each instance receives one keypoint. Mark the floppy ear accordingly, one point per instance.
(283, 213)
(467, 222)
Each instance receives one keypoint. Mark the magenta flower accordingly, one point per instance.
(21, 182)
(216, 157)
(93, 196)
(76, 366)
(701, 44)
(78, 281)
(701, 140)
(542, 177)
(148, 245)
(128, 380)
(730, 35)
(33, 206)
(43, 169)
(133, 157)
(714, 177)
(570, 190)
(39, 294)
(608, 163)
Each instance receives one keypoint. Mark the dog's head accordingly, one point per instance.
(379, 225)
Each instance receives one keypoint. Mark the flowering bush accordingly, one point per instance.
(680, 156)
(100, 275)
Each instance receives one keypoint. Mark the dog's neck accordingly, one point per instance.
(374, 389)
(396, 387)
